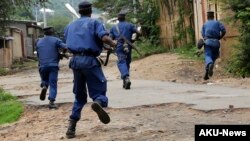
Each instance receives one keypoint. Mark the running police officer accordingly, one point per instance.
(84, 38)
(123, 49)
(48, 48)
(212, 32)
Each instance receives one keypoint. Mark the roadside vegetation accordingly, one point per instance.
(189, 52)
(239, 63)
(19, 65)
(10, 108)
(3, 71)
(146, 48)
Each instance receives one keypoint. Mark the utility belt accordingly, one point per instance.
(85, 54)
(211, 39)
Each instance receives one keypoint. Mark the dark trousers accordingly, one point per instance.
(49, 78)
(123, 63)
(211, 54)
(91, 81)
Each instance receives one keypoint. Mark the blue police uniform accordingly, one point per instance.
(124, 58)
(211, 32)
(48, 54)
(83, 39)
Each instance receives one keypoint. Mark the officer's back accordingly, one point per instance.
(47, 49)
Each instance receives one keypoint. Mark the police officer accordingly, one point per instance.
(212, 32)
(48, 48)
(123, 49)
(84, 38)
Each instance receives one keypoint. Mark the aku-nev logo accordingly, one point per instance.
(221, 132)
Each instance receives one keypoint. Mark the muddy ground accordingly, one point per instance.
(162, 122)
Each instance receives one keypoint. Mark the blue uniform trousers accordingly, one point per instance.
(93, 80)
(123, 63)
(49, 76)
(211, 54)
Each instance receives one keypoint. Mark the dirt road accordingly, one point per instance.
(162, 122)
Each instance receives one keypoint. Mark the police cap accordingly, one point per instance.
(46, 29)
(210, 13)
(84, 5)
(121, 14)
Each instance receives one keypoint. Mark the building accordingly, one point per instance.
(19, 42)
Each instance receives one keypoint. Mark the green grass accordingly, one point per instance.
(3, 71)
(19, 65)
(146, 48)
(10, 108)
(188, 52)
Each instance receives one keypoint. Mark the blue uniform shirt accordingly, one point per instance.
(211, 31)
(48, 50)
(126, 29)
(84, 35)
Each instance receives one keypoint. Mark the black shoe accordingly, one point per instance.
(210, 69)
(43, 93)
(123, 83)
(71, 132)
(102, 115)
(127, 83)
(206, 75)
(52, 105)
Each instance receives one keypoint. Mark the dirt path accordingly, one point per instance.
(173, 121)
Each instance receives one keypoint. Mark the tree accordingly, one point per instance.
(240, 64)
(8, 8)
(59, 24)
(146, 13)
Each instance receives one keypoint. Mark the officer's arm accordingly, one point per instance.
(222, 29)
(60, 44)
(111, 34)
(203, 31)
(107, 40)
(104, 35)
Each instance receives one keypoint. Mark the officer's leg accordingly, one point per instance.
(97, 87)
(53, 78)
(208, 55)
(128, 59)
(208, 60)
(122, 65)
(216, 54)
(44, 74)
(79, 89)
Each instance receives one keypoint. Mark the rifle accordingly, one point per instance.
(129, 43)
(110, 50)
(62, 53)
(126, 40)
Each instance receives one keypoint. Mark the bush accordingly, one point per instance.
(189, 51)
(3, 71)
(146, 48)
(10, 108)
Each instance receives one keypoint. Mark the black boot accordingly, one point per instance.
(102, 114)
(210, 69)
(52, 105)
(206, 75)
(71, 132)
(127, 83)
(43, 93)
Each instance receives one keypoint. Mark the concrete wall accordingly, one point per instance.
(22, 44)
(6, 52)
(169, 18)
